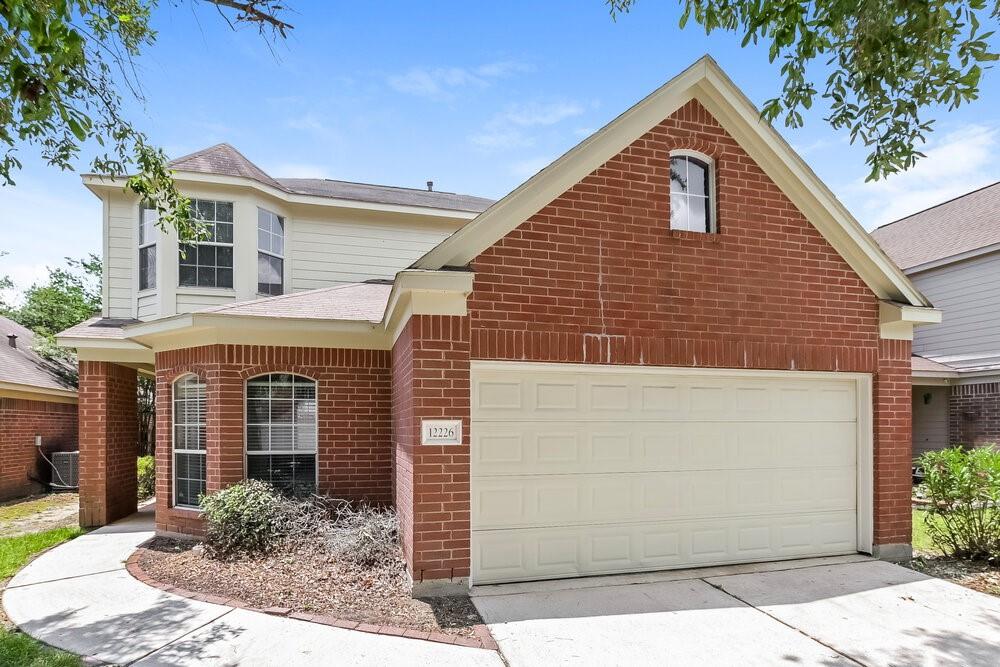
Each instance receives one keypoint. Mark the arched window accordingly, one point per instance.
(692, 192)
(189, 441)
(281, 432)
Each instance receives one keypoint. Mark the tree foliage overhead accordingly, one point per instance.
(64, 68)
(888, 62)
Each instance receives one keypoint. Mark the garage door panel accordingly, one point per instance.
(500, 448)
(524, 501)
(545, 396)
(543, 553)
(583, 470)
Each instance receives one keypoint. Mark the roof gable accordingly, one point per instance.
(21, 365)
(225, 160)
(706, 82)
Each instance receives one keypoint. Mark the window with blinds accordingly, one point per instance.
(281, 432)
(189, 441)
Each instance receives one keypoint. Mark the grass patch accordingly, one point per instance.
(16, 551)
(23, 509)
(921, 538)
(20, 649)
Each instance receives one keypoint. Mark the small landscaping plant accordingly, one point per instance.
(963, 487)
(242, 519)
(147, 476)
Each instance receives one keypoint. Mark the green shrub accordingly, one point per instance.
(244, 518)
(963, 487)
(147, 476)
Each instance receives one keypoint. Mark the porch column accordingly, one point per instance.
(893, 451)
(109, 442)
(431, 381)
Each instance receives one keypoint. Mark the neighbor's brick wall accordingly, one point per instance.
(431, 367)
(597, 276)
(20, 421)
(353, 412)
(109, 435)
(974, 414)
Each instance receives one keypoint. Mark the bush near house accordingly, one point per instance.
(963, 487)
(147, 476)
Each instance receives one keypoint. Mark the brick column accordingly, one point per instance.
(893, 451)
(109, 436)
(431, 381)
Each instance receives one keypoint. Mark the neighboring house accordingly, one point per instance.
(37, 398)
(671, 347)
(951, 252)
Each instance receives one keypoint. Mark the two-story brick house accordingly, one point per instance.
(671, 347)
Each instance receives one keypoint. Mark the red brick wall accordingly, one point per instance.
(20, 421)
(431, 381)
(974, 414)
(597, 276)
(109, 436)
(353, 407)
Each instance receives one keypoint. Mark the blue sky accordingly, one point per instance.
(474, 96)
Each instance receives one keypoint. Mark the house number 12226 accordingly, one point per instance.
(441, 432)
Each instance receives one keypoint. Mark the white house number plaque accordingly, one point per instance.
(441, 432)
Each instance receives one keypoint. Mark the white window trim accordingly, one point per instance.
(246, 425)
(142, 245)
(173, 448)
(284, 242)
(218, 244)
(710, 208)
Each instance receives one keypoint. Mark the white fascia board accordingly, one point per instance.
(95, 182)
(81, 342)
(420, 292)
(896, 320)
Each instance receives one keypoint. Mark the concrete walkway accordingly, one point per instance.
(78, 597)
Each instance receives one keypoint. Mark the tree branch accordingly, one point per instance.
(261, 12)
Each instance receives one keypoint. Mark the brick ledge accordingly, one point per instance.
(483, 639)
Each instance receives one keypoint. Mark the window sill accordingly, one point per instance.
(149, 291)
(185, 510)
(705, 237)
(209, 291)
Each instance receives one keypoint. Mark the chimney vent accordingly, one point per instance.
(430, 186)
(12, 340)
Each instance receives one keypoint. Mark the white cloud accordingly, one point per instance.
(960, 161)
(444, 82)
(298, 170)
(312, 123)
(506, 129)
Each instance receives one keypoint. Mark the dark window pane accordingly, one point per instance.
(225, 278)
(224, 233)
(281, 411)
(147, 267)
(205, 209)
(258, 411)
(188, 255)
(206, 276)
(258, 438)
(188, 276)
(224, 211)
(206, 255)
(224, 257)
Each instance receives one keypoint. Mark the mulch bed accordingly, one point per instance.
(311, 582)
(977, 575)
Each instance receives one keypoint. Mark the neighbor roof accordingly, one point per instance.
(957, 226)
(224, 160)
(923, 365)
(21, 365)
(354, 301)
(706, 82)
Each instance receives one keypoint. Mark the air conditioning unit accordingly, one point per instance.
(65, 470)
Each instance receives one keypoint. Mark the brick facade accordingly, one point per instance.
(353, 411)
(597, 276)
(20, 421)
(431, 381)
(974, 414)
(109, 435)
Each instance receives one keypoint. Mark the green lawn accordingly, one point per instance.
(16, 551)
(17, 648)
(921, 538)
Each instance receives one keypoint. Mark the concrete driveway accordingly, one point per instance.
(833, 611)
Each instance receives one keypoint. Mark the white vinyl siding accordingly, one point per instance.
(122, 256)
(968, 293)
(578, 471)
(328, 252)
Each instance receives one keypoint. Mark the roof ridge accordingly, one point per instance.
(939, 204)
(376, 185)
(202, 150)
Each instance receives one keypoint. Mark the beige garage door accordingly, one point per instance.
(590, 470)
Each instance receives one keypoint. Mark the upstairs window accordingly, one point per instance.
(692, 192)
(147, 246)
(209, 263)
(189, 441)
(281, 432)
(270, 253)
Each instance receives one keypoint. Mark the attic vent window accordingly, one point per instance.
(692, 192)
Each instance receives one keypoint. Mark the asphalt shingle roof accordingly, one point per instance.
(225, 160)
(363, 302)
(960, 225)
(21, 365)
